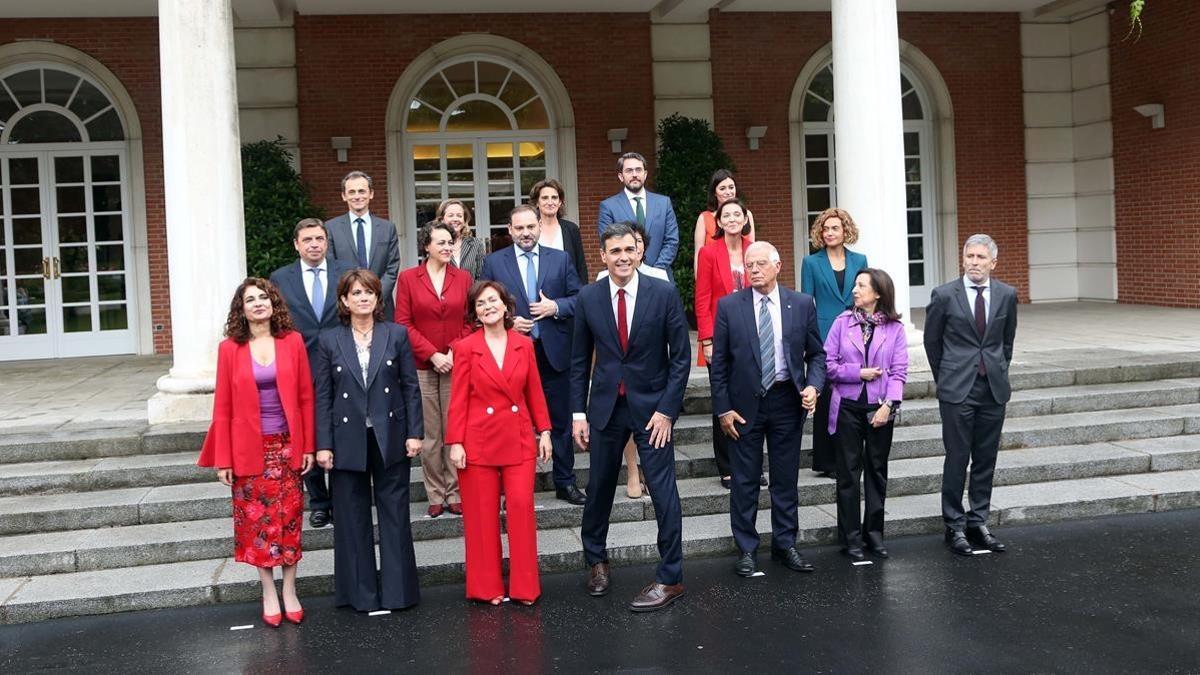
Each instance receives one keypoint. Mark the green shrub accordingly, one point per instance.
(689, 151)
(275, 199)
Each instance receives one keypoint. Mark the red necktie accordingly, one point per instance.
(622, 332)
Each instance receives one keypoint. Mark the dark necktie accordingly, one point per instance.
(640, 214)
(622, 331)
(360, 239)
(980, 322)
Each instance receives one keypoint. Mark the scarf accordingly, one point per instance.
(868, 322)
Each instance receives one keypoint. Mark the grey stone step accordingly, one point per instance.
(45, 596)
(102, 548)
(101, 473)
(85, 443)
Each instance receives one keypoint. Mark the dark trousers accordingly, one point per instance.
(862, 451)
(780, 422)
(557, 387)
(824, 445)
(720, 442)
(971, 434)
(354, 579)
(658, 466)
(318, 493)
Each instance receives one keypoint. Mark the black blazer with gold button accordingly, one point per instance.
(390, 397)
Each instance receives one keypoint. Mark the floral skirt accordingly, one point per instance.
(268, 510)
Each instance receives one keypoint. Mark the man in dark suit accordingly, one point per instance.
(635, 328)
(367, 242)
(636, 204)
(970, 325)
(768, 367)
(309, 286)
(544, 283)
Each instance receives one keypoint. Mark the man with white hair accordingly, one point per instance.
(768, 366)
(970, 325)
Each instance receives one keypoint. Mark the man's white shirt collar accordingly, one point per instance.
(631, 288)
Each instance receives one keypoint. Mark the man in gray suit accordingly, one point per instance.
(970, 325)
(365, 241)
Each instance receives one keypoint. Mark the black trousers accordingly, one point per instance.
(780, 423)
(557, 388)
(720, 441)
(824, 446)
(862, 454)
(971, 434)
(354, 580)
(318, 493)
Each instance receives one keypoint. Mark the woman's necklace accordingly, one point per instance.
(366, 334)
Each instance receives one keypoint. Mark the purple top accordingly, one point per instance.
(269, 406)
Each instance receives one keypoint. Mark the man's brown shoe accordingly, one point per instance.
(598, 580)
(656, 596)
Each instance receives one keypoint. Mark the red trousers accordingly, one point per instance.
(480, 490)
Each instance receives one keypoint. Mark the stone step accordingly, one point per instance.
(195, 582)
(155, 543)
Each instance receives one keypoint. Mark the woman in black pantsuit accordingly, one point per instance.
(369, 425)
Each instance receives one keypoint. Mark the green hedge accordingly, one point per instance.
(275, 199)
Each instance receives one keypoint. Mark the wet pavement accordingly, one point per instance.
(1119, 594)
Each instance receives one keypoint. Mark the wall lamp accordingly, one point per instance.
(615, 136)
(755, 133)
(1156, 113)
(341, 144)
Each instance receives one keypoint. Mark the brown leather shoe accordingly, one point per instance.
(455, 508)
(597, 584)
(656, 596)
(436, 510)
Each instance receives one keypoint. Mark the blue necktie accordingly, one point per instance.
(766, 344)
(318, 293)
(361, 240)
(531, 285)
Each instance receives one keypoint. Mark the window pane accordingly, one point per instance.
(912, 143)
(70, 199)
(460, 184)
(816, 173)
(76, 289)
(88, 101)
(816, 145)
(106, 198)
(916, 274)
(108, 227)
(23, 171)
(106, 168)
(911, 107)
(27, 261)
(31, 291)
(533, 116)
(429, 190)
(499, 155)
(110, 258)
(491, 75)
(77, 319)
(111, 286)
(517, 91)
(435, 93)
(31, 321)
(427, 158)
(114, 317)
(106, 127)
(26, 201)
(422, 118)
(905, 85)
(461, 77)
(26, 231)
(68, 170)
(426, 212)
(26, 86)
(913, 196)
(59, 86)
(529, 178)
(460, 157)
(44, 126)
(815, 110)
(73, 258)
(822, 84)
(72, 229)
(914, 222)
(533, 155)
(912, 169)
(478, 116)
(818, 199)
(7, 108)
(500, 184)
(916, 248)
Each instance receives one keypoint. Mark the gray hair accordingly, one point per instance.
(981, 240)
(357, 174)
(772, 252)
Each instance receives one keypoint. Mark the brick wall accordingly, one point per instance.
(129, 48)
(609, 83)
(1157, 171)
(756, 58)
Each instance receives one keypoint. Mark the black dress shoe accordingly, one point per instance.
(855, 554)
(791, 559)
(319, 518)
(957, 542)
(597, 584)
(571, 495)
(980, 537)
(746, 566)
(875, 544)
(725, 482)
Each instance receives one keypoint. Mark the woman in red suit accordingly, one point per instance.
(496, 407)
(719, 272)
(431, 302)
(261, 437)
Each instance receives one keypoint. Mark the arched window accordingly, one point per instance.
(48, 105)
(477, 129)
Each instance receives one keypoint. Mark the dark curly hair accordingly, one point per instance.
(237, 328)
(425, 235)
(510, 303)
(370, 282)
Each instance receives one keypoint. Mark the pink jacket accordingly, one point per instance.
(844, 359)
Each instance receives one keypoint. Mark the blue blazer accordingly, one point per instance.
(558, 280)
(655, 367)
(384, 260)
(661, 225)
(391, 396)
(736, 368)
(289, 279)
(817, 280)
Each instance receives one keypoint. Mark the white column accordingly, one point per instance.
(202, 173)
(869, 132)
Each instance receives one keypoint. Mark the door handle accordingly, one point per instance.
(45, 268)
(57, 268)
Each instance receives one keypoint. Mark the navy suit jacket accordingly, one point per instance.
(558, 280)
(384, 260)
(661, 225)
(289, 279)
(817, 280)
(391, 396)
(736, 368)
(654, 368)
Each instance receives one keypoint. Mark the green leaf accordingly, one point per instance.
(275, 198)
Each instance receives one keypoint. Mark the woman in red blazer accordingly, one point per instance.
(496, 407)
(719, 272)
(431, 302)
(261, 437)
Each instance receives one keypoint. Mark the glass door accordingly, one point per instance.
(26, 324)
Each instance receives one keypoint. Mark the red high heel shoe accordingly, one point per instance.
(272, 620)
(295, 617)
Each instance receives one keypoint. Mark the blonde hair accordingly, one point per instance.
(848, 227)
(447, 203)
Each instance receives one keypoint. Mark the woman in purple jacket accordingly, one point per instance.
(867, 365)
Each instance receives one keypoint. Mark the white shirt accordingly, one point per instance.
(987, 295)
(781, 370)
(523, 262)
(553, 242)
(631, 290)
(308, 277)
(633, 203)
(648, 270)
(366, 218)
